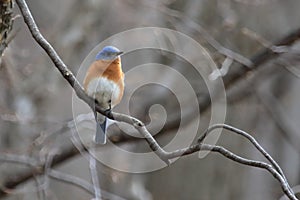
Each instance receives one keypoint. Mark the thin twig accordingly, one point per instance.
(71, 180)
(141, 128)
(207, 36)
(26, 160)
(21, 159)
(78, 182)
(94, 174)
(282, 121)
(264, 42)
(252, 140)
(222, 71)
(90, 157)
(47, 168)
(228, 154)
(246, 135)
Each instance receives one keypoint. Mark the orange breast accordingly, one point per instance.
(111, 70)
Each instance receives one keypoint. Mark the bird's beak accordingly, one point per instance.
(120, 53)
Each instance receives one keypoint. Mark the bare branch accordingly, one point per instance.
(78, 182)
(94, 175)
(20, 159)
(262, 57)
(54, 174)
(264, 42)
(214, 43)
(246, 135)
(72, 180)
(284, 185)
(223, 70)
(253, 141)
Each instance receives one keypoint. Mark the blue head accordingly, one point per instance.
(108, 53)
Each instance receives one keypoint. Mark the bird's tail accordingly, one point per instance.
(100, 137)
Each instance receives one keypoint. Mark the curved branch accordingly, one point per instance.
(246, 135)
(252, 140)
(19, 159)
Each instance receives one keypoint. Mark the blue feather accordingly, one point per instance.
(108, 53)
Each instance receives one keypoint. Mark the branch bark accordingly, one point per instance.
(6, 23)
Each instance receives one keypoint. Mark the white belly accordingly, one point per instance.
(104, 91)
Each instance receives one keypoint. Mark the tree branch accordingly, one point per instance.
(78, 182)
(6, 13)
(21, 159)
(246, 135)
(54, 174)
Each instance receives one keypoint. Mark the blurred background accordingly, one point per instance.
(262, 99)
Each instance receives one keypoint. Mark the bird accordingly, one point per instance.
(104, 82)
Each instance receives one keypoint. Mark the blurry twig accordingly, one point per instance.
(263, 41)
(90, 157)
(71, 180)
(223, 70)
(21, 159)
(78, 182)
(54, 174)
(277, 113)
(214, 43)
(271, 50)
(42, 138)
(279, 49)
(94, 174)
(24, 160)
(47, 168)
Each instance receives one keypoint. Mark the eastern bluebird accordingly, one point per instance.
(104, 81)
